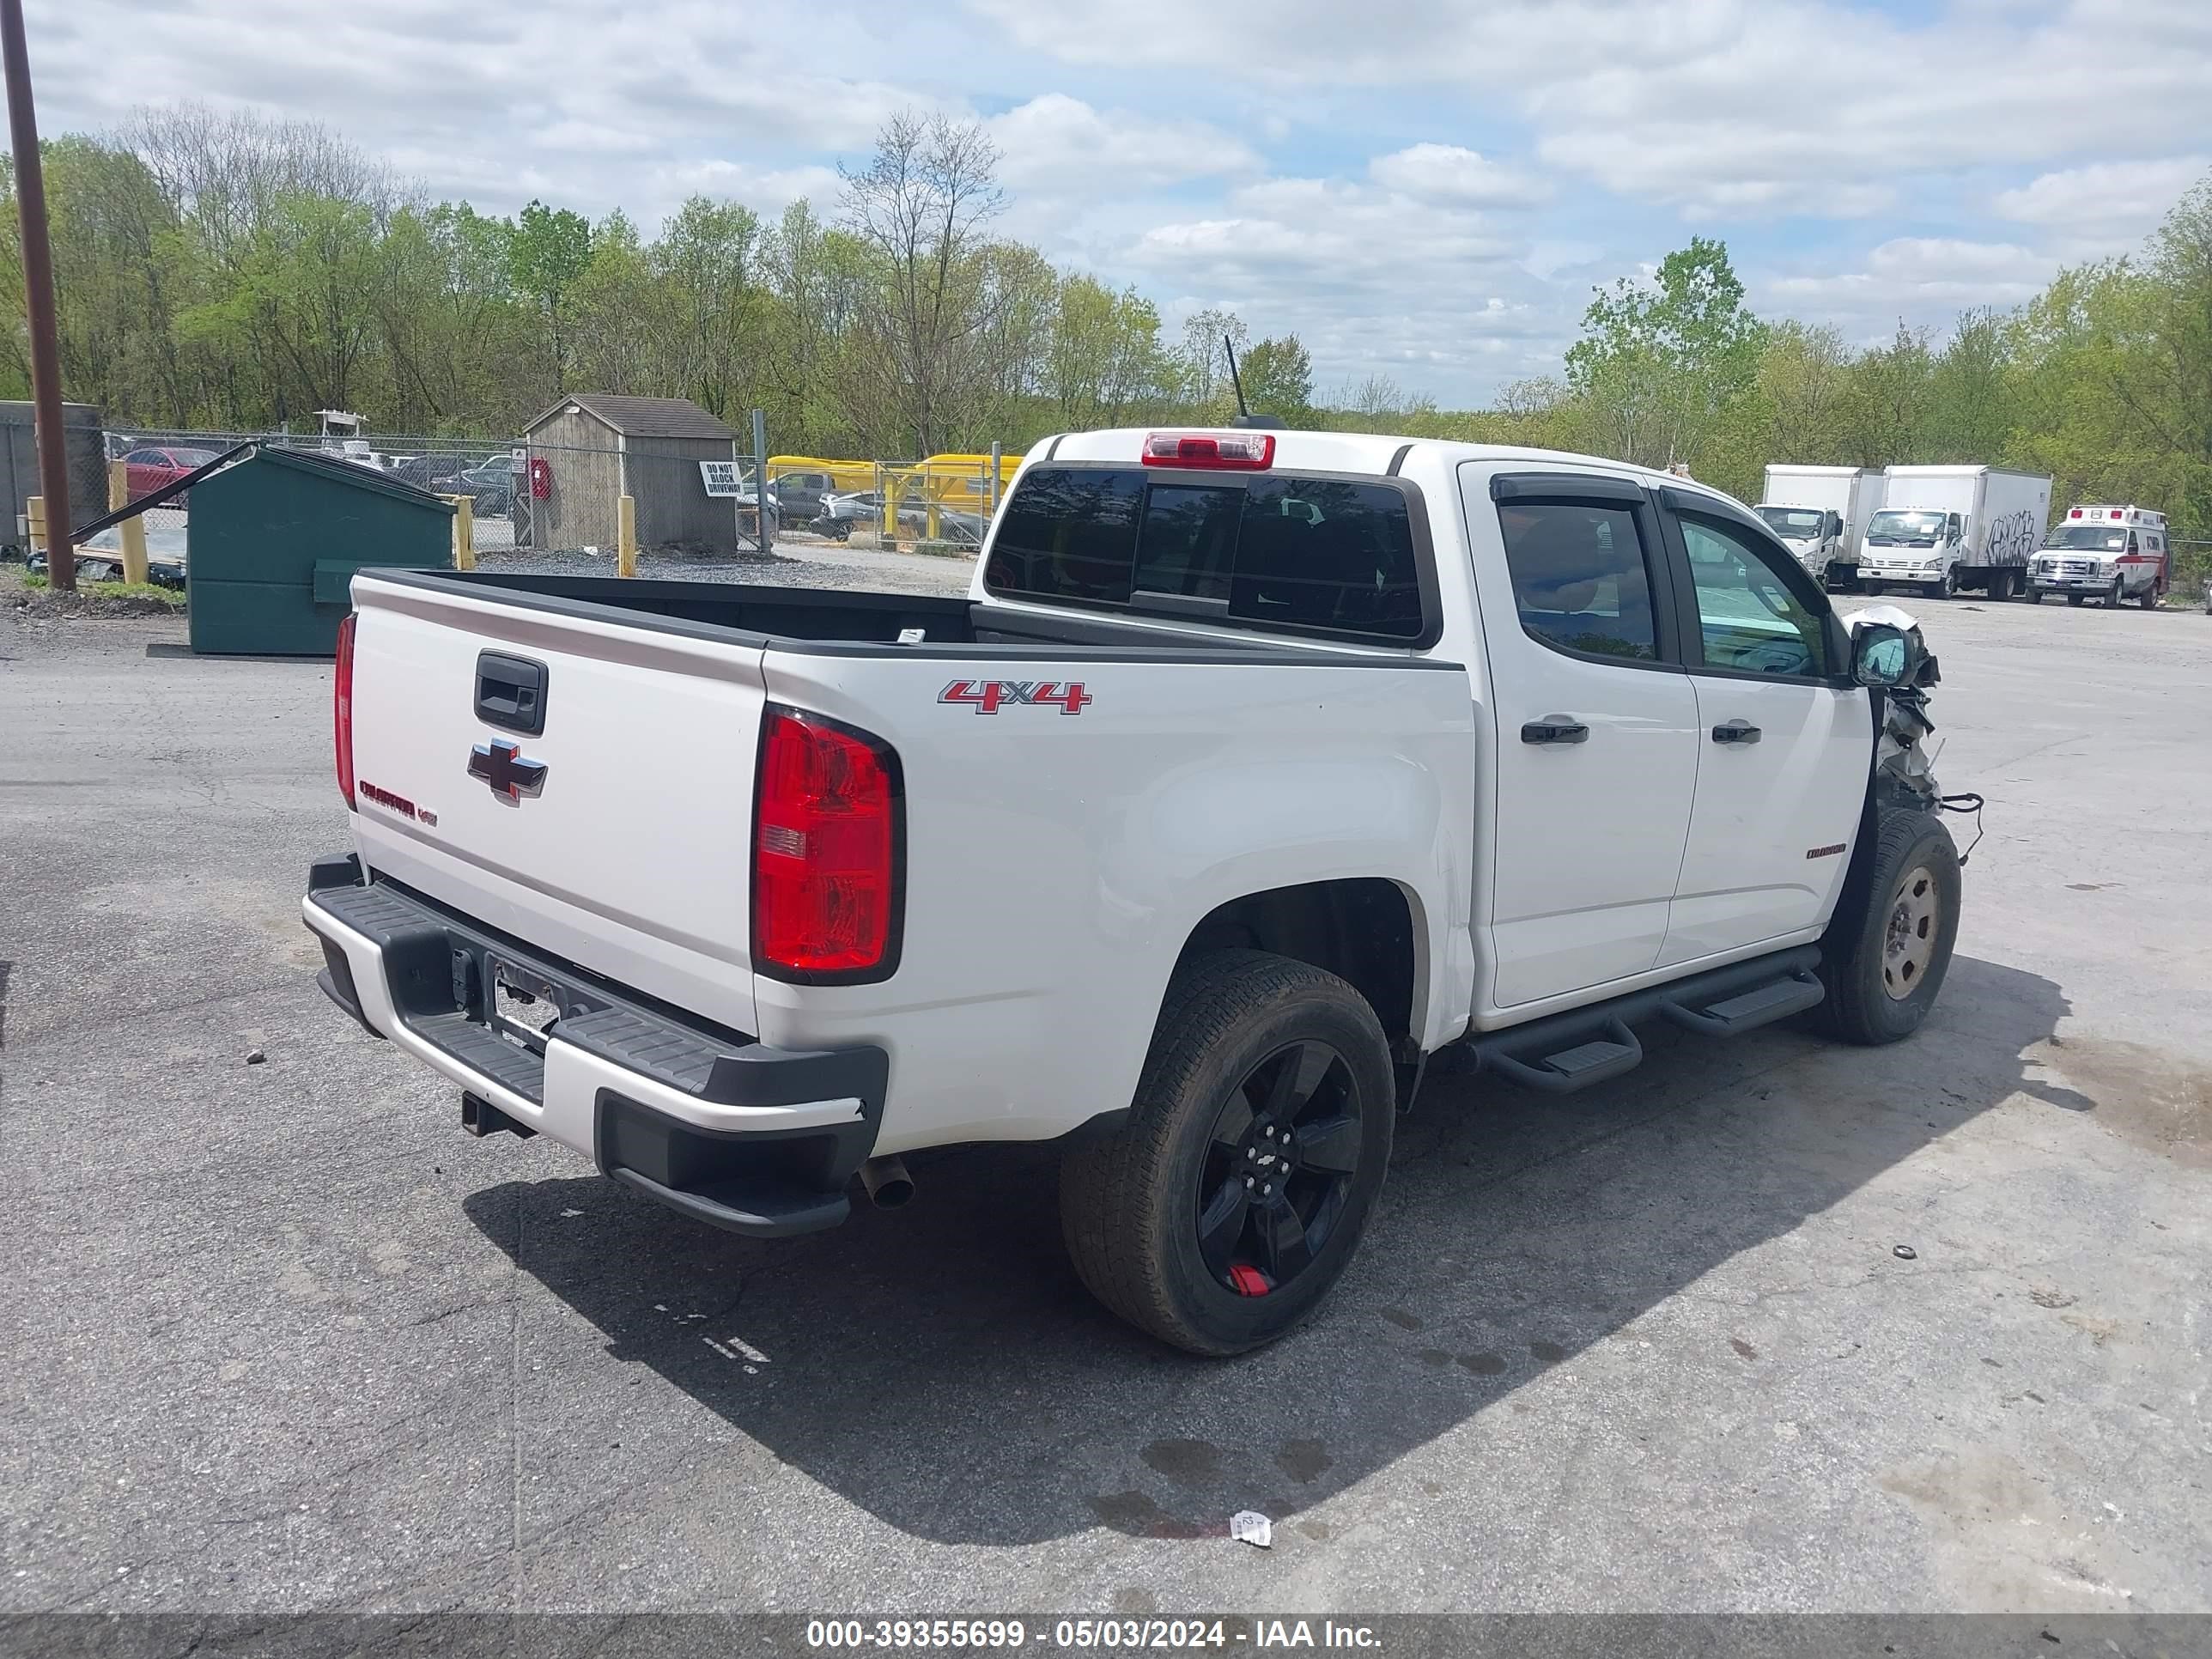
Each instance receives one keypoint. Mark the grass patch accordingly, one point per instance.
(140, 595)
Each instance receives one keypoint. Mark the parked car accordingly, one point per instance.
(439, 472)
(492, 482)
(148, 469)
(799, 496)
(1255, 768)
(841, 514)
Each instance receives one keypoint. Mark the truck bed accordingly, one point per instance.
(810, 618)
(1076, 789)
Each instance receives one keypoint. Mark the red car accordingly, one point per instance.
(148, 469)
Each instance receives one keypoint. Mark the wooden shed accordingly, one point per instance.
(596, 448)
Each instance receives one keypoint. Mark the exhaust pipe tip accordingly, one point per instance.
(888, 1183)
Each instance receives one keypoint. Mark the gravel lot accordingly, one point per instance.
(278, 1335)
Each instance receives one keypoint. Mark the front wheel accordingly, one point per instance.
(1219, 1218)
(1884, 960)
(2112, 598)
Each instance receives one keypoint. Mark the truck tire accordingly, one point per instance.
(1884, 960)
(1949, 587)
(1220, 1217)
(2112, 598)
(2150, 597)
(2076, 599)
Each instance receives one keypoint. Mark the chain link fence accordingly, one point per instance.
(528, 496)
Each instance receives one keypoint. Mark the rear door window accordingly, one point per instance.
(1327, 556)
(1069, 533)
(1580, 578)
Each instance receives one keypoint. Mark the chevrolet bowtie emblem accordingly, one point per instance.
(500, 764)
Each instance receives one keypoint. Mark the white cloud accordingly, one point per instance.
(564, 99)
(1368, 278)
(1056, 141)
(1916, 277)
(1448, 174)
(2105, 206)
(1798, 106)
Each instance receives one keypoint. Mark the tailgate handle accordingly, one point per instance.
(511, 693)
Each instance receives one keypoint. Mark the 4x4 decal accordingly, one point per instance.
(988, 697)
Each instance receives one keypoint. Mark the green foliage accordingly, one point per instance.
(1659, 361)
(1277, 376)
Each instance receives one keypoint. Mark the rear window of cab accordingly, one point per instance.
(1308, 555)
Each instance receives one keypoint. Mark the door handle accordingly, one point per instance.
(511, 693)
(1736, 731)
(1554, 728)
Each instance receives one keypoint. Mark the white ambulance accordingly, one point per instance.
(2101, 552)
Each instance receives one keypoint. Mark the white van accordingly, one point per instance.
(2108, 553)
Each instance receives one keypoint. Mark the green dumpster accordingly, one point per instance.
(274, 539)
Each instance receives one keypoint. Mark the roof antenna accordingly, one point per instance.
(1244, 415)
(1235, 379)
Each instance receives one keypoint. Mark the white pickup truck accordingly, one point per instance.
(1258, 767)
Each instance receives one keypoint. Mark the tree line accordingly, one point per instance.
(230, 271)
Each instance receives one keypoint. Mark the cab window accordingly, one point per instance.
(1749, 620)
(1580, 578)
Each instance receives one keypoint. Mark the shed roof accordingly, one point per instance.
(643, 417)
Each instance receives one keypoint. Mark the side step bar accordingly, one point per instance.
(1562, 1052)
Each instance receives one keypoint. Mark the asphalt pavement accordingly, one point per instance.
(1764, 1325)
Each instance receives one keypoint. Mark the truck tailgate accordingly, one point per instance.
(629, 853)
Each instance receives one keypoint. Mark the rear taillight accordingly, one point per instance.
(1232, 452)
(828, 843)
(342, 708)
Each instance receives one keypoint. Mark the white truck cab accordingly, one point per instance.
(1257, 767)
(1819, 513)
(1944, 530)
(2103, 552)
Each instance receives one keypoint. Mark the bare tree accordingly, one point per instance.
(921, 206)
(1204, 362)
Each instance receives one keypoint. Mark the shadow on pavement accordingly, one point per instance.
(941, 1367)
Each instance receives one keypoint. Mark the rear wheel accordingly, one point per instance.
(1219, 1218)
(1884, 962)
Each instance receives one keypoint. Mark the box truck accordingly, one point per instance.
(1821, 514)
(1942, 530)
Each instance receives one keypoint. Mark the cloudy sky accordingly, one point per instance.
(1417, 188)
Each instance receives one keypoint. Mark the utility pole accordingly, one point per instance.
(39, 301)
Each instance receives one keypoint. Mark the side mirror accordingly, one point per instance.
(1878, 655)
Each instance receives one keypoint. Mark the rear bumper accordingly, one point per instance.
(756, 1140)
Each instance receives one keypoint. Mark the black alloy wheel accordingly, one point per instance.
(1285, 1148)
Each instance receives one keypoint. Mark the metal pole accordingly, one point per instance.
(997, 461)
(760, 479)
(38, 300)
